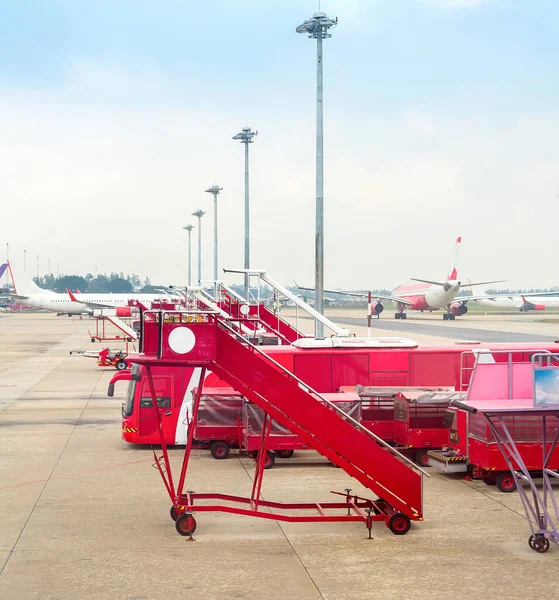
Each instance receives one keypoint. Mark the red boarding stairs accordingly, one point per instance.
(171, 338)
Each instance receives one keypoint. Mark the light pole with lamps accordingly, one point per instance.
(215, 189)
(199, 214)
(245, 137)
(317, 28)
(189, 228)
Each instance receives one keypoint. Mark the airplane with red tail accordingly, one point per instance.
(424, 294)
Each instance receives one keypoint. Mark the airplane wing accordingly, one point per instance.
(17, 296)
(361, 295)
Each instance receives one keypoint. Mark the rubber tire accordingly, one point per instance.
(129, 339)
(174, 514)
(397, 315)
(404, 316)
(420, 458)
(285, 453)
(503, 483)
(399, 524)
(376, 510)
(270, 459)
(121, 365)
(220, 450)
(489, 480)
(93, 340)
(539, 543)
(445, 316)
(185, 524)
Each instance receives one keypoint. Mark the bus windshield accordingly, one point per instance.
(128, 405)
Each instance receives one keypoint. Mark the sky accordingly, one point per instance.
(441, 119)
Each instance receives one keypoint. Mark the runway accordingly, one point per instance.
(450, 331)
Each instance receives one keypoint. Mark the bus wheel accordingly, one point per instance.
(505, 482)
(220, 450)
(285, 453)
(185, 524)
(421, 458)
(399, 524)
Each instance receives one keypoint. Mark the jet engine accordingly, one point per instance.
(457, 309)
(376, 308)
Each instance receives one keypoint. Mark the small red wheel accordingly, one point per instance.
(285, 453)
(539, 543)
(399, 524)
(185, 524)
(489, 479)
(220, 450)
(174, 513)
(505, 482)
(270, 460)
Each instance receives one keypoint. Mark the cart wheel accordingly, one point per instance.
(121, 365)
(285, 453)
(539, 543)
(421, 458)
(489, 479)
(505, 482)
(93, 340)
(531, 541)
(129, 339)
(185, 524)
(220, 450)
(174, 513)
(399, 524)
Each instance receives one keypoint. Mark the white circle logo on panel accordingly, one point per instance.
(182, 340)
(245, 309)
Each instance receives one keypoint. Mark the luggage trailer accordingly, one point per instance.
(542, 404)
(213, 344)
(473, 448)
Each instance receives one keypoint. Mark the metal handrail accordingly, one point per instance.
(338, 410)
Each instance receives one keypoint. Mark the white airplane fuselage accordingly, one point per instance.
(61, 303)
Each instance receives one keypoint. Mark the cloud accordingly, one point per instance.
(105, 170)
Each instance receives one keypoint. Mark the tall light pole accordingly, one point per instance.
(37, 266)
(58, 270)
(189, 228)
(245, 137)
(215, 189)
(317, 28)
(25, 260)
(48, 270)
(199, 214)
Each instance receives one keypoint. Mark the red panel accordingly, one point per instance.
(315, 370)
(435, 369)
(396, 360)
(349, 369)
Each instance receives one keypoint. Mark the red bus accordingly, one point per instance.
(326, 365)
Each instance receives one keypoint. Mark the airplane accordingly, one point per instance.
(538, 301)
(27, 292)
(426, 294)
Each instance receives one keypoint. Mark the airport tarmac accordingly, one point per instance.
(85, 516)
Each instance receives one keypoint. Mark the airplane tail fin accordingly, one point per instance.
(23, 283)
(453, 272)
(2, 269)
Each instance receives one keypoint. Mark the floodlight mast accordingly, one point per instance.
(199, 214)
(317, 28)
(245, 137)
(215, 189)
(189, 228)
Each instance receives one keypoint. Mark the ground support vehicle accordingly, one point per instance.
(473, 448)
(537, 406)
(107, 315)
(419, 422)
(213, 344)
(107, 358)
